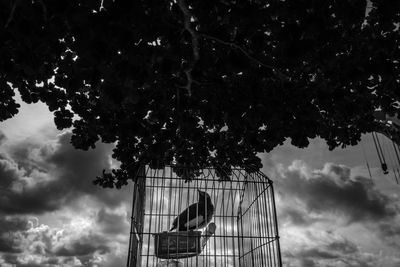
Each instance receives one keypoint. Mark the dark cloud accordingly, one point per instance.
(9, 173)
(331, 198)
(343, 247)
(294, 216)
(389, 232)
(36, 179)
(7, 245)
(328, 254)
(13, 260)
(112, 223)
(114, 261)
(78, 168)
(25, 242)
(37, 200)
(55, 177)
(9, 229)
(27, 154)
(334, 250)
(332, 190)
(307, 263)
(30, 265)
(342, 172)
(85, 246)
(316, 253)
(390, 229)
(19, 196)
(53, 261)
(10, 259)
(12, 224)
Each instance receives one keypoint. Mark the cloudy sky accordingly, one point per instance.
(330, 211)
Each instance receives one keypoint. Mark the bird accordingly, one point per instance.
(196, 216)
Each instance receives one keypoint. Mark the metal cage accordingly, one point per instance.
(244, 220)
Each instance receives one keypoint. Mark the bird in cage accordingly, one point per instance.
(196, 216)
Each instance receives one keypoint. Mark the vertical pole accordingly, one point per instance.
(276, 226)
(240, 229)
(270, 224)
(137, 217)
(233, 223)
(250, 214)
(131, 230)
(259, 234)
(395, 151)
(142, 189)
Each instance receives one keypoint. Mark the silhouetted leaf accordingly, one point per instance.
(265, 73)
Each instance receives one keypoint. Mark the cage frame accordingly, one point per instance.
(140, 191)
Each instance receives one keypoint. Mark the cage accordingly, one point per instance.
(242, 230)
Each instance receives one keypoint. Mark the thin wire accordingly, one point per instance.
(398, 175)
(395, 176)
(396, 151)
(366, 159)
(380, 153)
(380, 148)
(376, 147)
(383, 151)
(393, 157)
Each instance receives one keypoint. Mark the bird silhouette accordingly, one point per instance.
(196, 216)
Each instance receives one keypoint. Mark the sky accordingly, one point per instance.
(330, 211)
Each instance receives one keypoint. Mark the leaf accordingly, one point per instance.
(267, 73)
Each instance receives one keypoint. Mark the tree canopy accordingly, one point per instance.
(202, 82)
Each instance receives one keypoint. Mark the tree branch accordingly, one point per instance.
(277, 72)
(44, 9)
(11, 13)
(187, 15)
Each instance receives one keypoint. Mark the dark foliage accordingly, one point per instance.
(203, 82)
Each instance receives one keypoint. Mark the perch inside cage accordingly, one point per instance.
(183, 244)
(236, 226)
(176, 245)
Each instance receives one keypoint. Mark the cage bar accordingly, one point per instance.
(244, 219)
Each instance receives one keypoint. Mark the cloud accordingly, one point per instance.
(390, 229)
(112, 222)
(316, 253)
(389, 232)
(343, 247)
(81, 242)
(322, 248)
(77, 169)
(331, 190)
(84, 246)
(294, 216)
(307, 263)
(329, 217)
(337, 249)
(51, 179)
(41, 178)
(10, 224)
(54, 177)
(22, 194)
(10, 227)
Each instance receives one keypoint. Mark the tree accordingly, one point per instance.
(202, 82)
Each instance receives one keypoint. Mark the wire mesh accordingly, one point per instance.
(246, 232)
